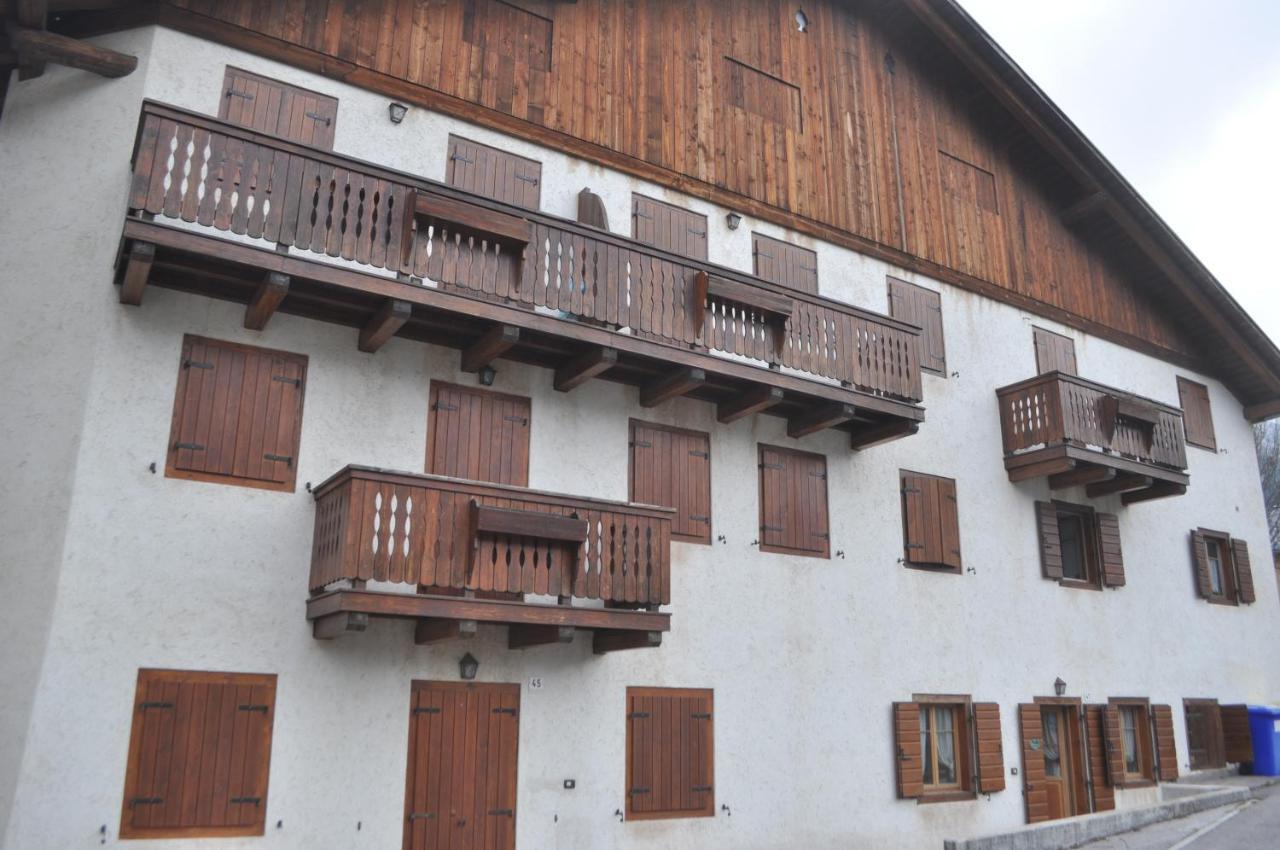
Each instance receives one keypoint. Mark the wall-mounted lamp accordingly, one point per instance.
(733, 220)
(486, 375)
(1059, 686)
(467, 666)
(396, 111)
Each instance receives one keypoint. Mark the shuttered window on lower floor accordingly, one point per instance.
(478, 434)
(793, 502)
(494, 173)
(923, 308)
(930, 521)
(671, 467)
(237, 414)
(947, 748)
(279, 109)
(670, 753)
(199, 754)
(1223, 572)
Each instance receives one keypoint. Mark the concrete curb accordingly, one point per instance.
(1072, 832)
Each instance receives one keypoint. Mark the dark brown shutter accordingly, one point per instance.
(671, 467)
(670, 753)
(478, 434)
(793, 501)
(1237, 742)
(1244, 572)
(669, 228)
(278, 109)
(931, 522)
(1204, 734)
(784, 264)
(1112, 559)
(494, 174)
(1113, 735)
(1104, 798)
(919, 306)
(1165, 749)
(1050, 541)
(1054, 352)
(989, 747)
(1200, 563)
(1197, 416)
(906, 749)
(1035, 793)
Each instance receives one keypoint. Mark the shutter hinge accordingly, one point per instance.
(763, 254)
(257, 801)
(145, 801)
(915, 546)
(233, 93)
(911, 489)
(639, 214)
(521, 419)
(441, 405)
(195, 447)
(696, 453)
(297, 382)
(701, 715)
(460, 158)
(816, 474)
(155, 704)
(287, 460)
(822, 535)
(413, 816)
(638, 715)
(699, 518)
(510, 711)
(700, 788)
(641, 444)
(776, 528)
(316, 116)
(533, 180)
(693, 232)
(635, 791)
(813, 269)
(427, 709)
(195, 364)
(773, 466)
(503, 812)
(249, 707)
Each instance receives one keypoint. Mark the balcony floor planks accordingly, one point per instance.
(1072, 460)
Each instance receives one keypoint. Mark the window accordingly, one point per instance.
(199, 755)
(237, 415)
(930, 521)
(1197, 418)
(922, 307)
(668, 227)
(1129, 742)
(793, 502)
(270, 106)
(1054, 352)
(670, 753)
(1222, 570)
(941, 748)
(784, 264)
(947, 747)
(478, 434)
(968, 182)
(495, 174)
(671, 467)
(1078, 547)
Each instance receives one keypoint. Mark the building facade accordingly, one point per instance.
(775, 497)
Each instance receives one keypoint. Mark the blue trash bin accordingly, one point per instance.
(1264, 729)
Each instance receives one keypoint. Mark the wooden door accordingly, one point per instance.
(1204, 734)
(1063, 761)
(460, 790)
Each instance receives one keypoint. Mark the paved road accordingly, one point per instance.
(1246, 826)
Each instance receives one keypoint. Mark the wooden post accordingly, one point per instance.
(271, 292)
(136, 272)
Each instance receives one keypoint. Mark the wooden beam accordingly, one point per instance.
(671, 385)
(819, 419)
(1260, 412)
(271, 292)
(1040, 468)
(390, 317)
(577, 371)
(875, 435)
(1127, 481)
(137, 271)
(521, 637)
(753, 401)
(430, 630)
(489, 347)
(1158, 490)
(36, 46)
(608, 640)
(338, 624)
(1082, 475)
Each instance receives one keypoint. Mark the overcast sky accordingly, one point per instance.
(1183, 97)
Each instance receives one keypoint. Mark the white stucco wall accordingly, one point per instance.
(805, 655)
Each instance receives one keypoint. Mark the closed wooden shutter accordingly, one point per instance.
(669, 228)
(199, 755)
(237, 415)
(1197, 417)
(930, 521)
(923, 307)
(478, 434)
(1104, 798)
(1035, 793)
(671, 467)
(494, 174)
(907, 752)
(1237, 742)
(1204, 734)
(793, 502)
(278, 109)
(1200, 564)
(1244, 572)
(1112, 558)
(1050, 541)
(989, 747)
(1114, 737)
(1165, 748)
(670, 755)
(784, 264)
(1054, 352)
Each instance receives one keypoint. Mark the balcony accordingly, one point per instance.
(1075, 432)
(229, 213)
(451, 554)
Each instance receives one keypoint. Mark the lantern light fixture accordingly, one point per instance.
(396, 111)
(468, 666)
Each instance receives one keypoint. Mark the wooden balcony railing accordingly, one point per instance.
(206, 172)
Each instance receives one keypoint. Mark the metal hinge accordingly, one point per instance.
(693, 232)
(699, 518)
(915, 546)
(638, 715)
(813, 269)
(763, 254)
(773, 466)
(249, 707)
(521, 419)
(287, 460)
(297, 382)
(641, 444)
(821, 535)
(195, 447)
(257, 801)
(145, 801)
(442, 405)
(413, 816)
(195, 364)
(701, 715)
(696, 453)
(818, 474)
(155, 704)
(233, 93)
(776, 528)
(635, 791)
(700, 788)
(427, 709)
(911, 489)
(460, 158)
(503, 812)
(316, 116)
(510, 711)
(639, 214)
(533, 180)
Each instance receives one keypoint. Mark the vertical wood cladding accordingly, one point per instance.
(846, 124)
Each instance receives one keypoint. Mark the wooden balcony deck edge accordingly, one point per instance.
(1048, 377)
(1063, 455)
(418, 606)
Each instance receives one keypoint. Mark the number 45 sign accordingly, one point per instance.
(535, 683)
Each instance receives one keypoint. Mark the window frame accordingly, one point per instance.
(1230, 594)
(1144, 738)
(1092, 545)
(632, 425)
(961, 706)
(708, 766)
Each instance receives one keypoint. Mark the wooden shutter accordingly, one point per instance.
(1050, 541)
(1035, 793)
(784, 264)
(495, 174)
(1112, 559)
(1104, 798)
(278, 109)
(1166, 750)
(1113, 735)
(237, 414)
(671, 467)
(906, 749)
(1244, 572)
(1197, 417)
(1204, 734)
(670, 756)
(793, 502)
(930, 520)
(1237, 742)
(669, 228)
(199, 755)
(478, 434)
(1054, 352)
(1200, 563)
(919, 306)
(988, 746)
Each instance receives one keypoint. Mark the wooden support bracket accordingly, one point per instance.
(875, 435)
(1158, 490)
(1052, 466)
(430, 630)
(271, 292)
(1080, 475)
(612, 640)
(137, 271)
(671, 385)
(523, 636)
(577, 371)
(819, 419)
(390, 317)
(753, 401)
(35, 47)
(489, 347)
(1119, 484)
(339, 624)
